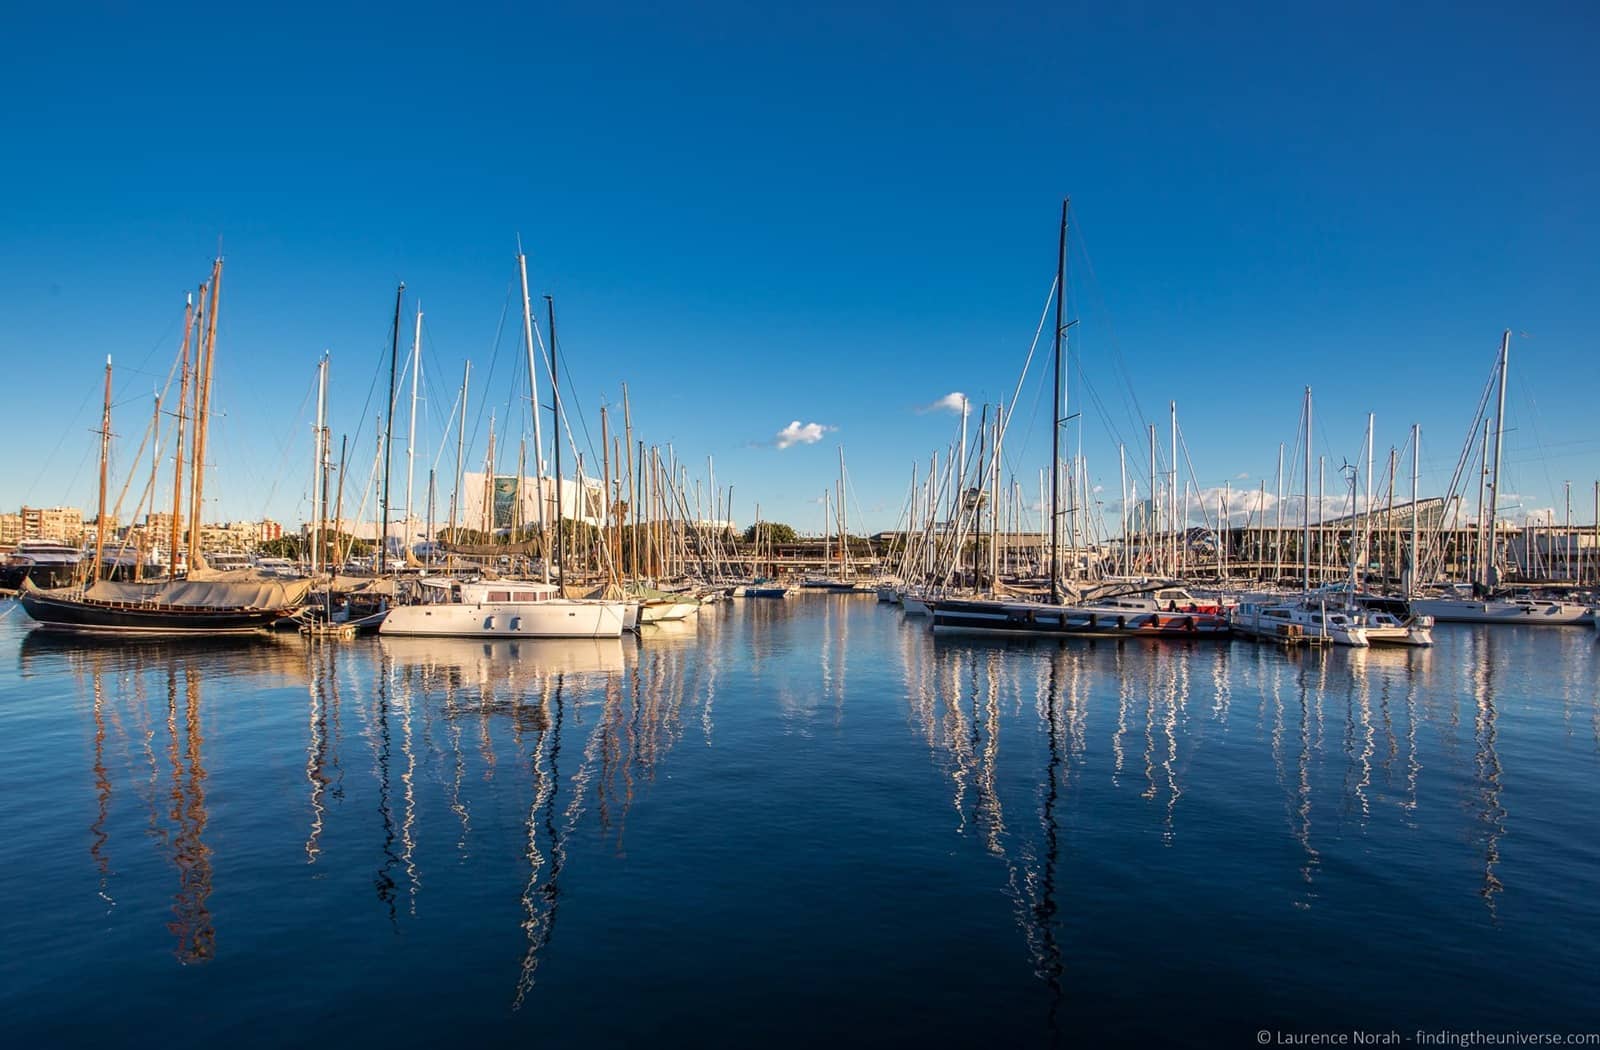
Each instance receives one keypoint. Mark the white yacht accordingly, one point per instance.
(1280, 620)
(1538, 612)
(503, 609)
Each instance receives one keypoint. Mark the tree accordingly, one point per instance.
(771, 532)
(282, 547)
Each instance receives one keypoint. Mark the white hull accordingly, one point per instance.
(1253, 622)
(554, 618)
(1534, 613)
(1400, 635)
(667, 612)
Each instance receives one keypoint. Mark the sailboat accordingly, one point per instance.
(1488, 602)
(206, 602)
(1114, 614)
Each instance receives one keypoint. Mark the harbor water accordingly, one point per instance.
(803, 822)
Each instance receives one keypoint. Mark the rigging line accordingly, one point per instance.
(444, 439)
(583, 422)
(494, 358)
(1119, 362)
(72, 422)
(1531, 409)
(372, 389)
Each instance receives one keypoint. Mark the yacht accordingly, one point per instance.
(1277, 619)
(1164, 612)
(47, 563)
(503, 609)
(1509, 608)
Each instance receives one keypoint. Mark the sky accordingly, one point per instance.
(792, 230)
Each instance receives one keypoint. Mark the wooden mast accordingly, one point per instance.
(105, 456)
(202, 419)
(177, 455)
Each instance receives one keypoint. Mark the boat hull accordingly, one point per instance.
(667, 611)
(547, 619)
(1027, 620)
(116, 618)
(1530, 613)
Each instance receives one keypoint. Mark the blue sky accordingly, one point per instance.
(834, 214)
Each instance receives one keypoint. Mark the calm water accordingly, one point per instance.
(794, 822)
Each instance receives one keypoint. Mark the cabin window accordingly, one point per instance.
(525, 596)
(499, 596)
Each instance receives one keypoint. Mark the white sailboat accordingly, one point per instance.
(503, 609)
(1486, 604)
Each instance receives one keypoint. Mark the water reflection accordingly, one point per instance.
(958, 694)
(116, 678)
(629, 701)
(1347, 733)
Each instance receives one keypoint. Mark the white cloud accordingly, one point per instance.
(955, 401)
(798, 433)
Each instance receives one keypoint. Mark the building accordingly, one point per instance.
(61, 524)
(228, 536)
(10, 529)
(515, 501)
(268, 530)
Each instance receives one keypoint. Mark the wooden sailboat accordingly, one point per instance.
(205, 603)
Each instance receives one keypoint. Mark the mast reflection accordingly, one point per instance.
(114, 677)
(957, 710)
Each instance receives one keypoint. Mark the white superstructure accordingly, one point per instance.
(503, 609)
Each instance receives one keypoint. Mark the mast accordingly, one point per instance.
(994, 507)
(155, 471)
(319, 461)
(388, 432)
(555, 436)
(1152, 520)
(411, 433)
(1122, 470)
(177, 455)
(1172, 486)
(844, 523)
(1305, 503)
(633, 492)
(488, 489)
(1366, 517)
(461, 448)
(105, 456)
(533, 399)
(338, 501)
(1322, 534)
(1491, 575)
(1277, 538)
(1388, 518)
(1480, 574)
(827, 534)
(202, 418)
(607, 521)
(1416, 469)
(430, 516)
(1059, 409)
